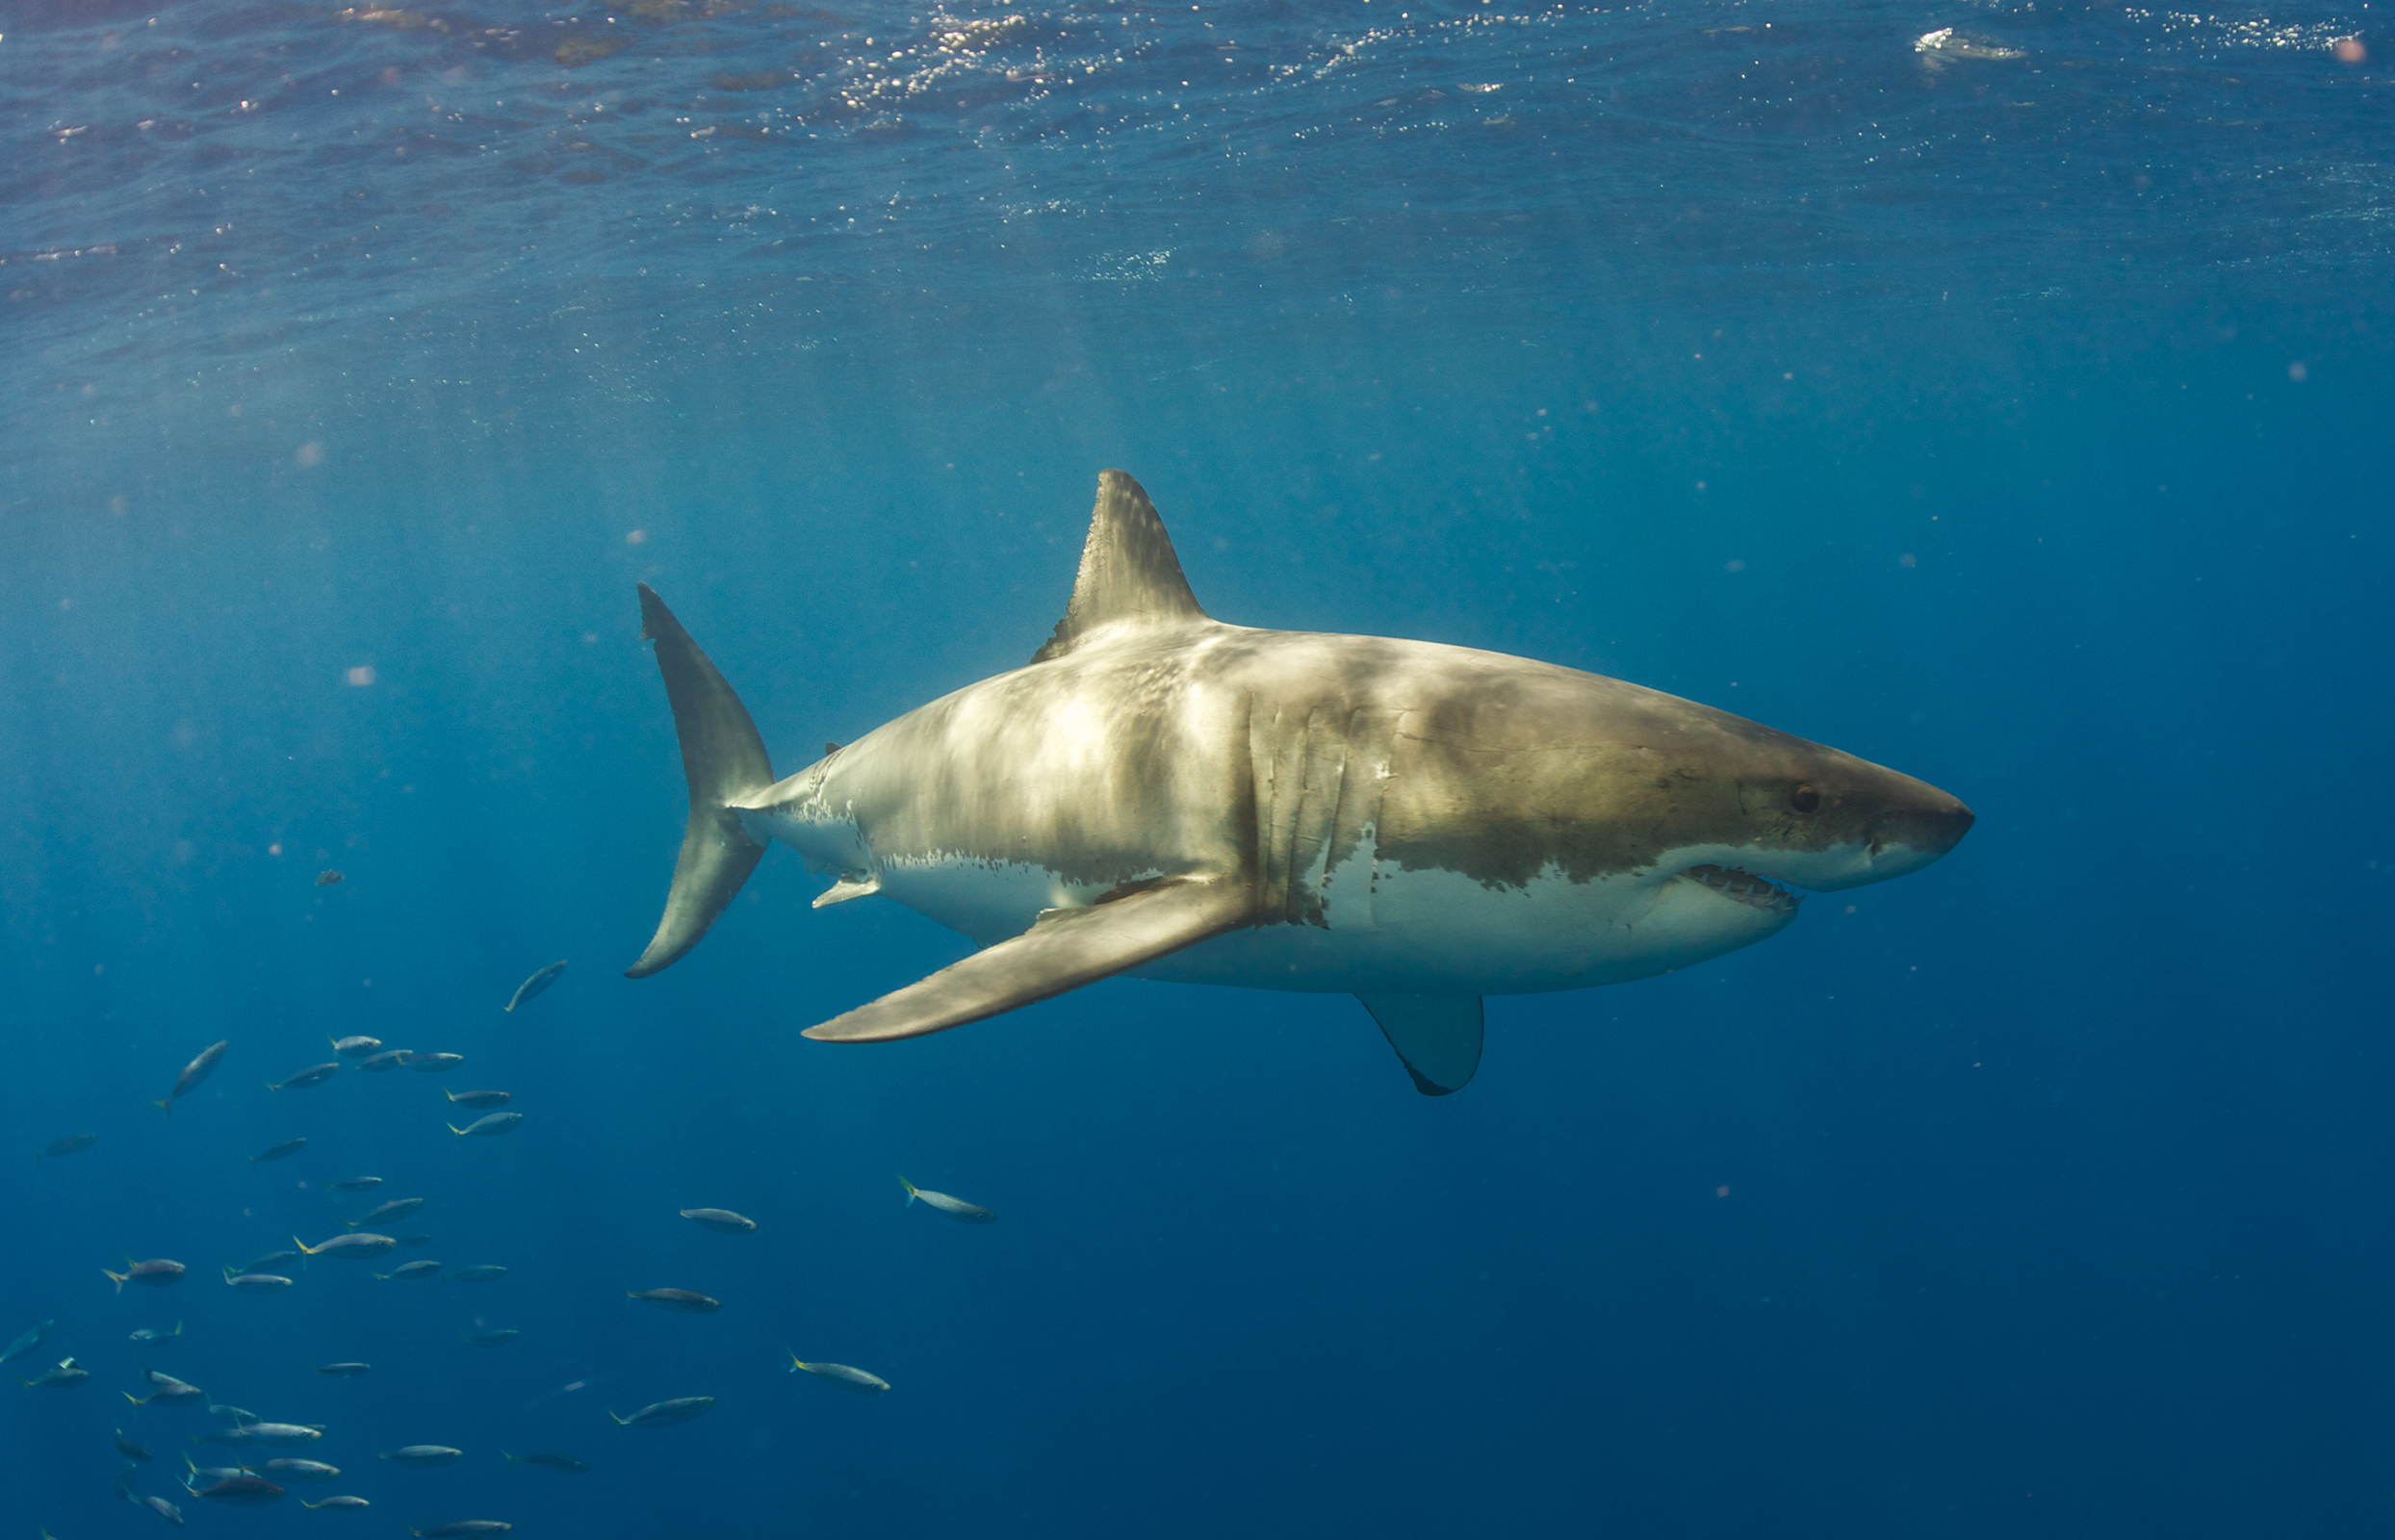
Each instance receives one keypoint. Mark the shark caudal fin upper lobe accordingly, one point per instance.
(723, 760)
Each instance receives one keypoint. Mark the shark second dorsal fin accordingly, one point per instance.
(1128, 571)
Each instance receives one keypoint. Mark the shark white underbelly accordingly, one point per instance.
(1162, 796)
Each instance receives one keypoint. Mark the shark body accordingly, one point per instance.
(1161, 795)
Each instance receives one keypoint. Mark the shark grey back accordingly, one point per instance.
(1162, 795)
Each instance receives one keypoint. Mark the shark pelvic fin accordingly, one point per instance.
(724, 761)
(1128, 571)
(860, 885)
(1437, 1037)
(1065, 949)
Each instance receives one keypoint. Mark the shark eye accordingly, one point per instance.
(1804, 799)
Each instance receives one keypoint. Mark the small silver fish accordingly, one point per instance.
(158, 1272)
(489, 1123)
(536, 984)
(356, 1246)
(840, 1375)
(387, 1060)
(475, 1101)
(167, 1390)
(665, 1414)
(462, 1530)
(355, 1184)
(63, 1375)
(160, 1506)
(480, 1273)
(423, 1456)
(297, 1472)
(27, 1342)
(681, 1301)
(234, 1437)
(426, 1269)
(415, 1238)
(243, 1491)
(496, 1337)
(208, 1473)
(955, 1208)
(65, 1145)
(277, 1152)
(328, 878)
(432, 1063)
(339, 1502)
(398, 1208)
(266, 1263)
(153, 1334)
(562, 1464)
(233, 1416)
(343, 1370)
(257, 1282)
(302, 1080)
(131, 1450)
(197, 1070)
(722, 1220)
(285, 1435)
(357, 1047)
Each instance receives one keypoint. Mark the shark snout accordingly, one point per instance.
(1912, 836)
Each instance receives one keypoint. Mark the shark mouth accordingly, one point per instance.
(1758, 892)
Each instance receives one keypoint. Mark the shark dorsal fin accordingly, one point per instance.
(1128, 571)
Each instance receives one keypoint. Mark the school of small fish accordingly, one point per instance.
(258, 1480)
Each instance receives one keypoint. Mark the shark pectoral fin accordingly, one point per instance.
(1437, 1037)
(724, 761)
(1066, 949)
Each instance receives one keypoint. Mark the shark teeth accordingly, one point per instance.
(1760, 893)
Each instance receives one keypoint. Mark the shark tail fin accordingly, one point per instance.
(724, 761)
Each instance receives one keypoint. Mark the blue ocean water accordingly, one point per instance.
(2007, 406)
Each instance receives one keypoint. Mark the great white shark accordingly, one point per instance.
(1159, 795)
